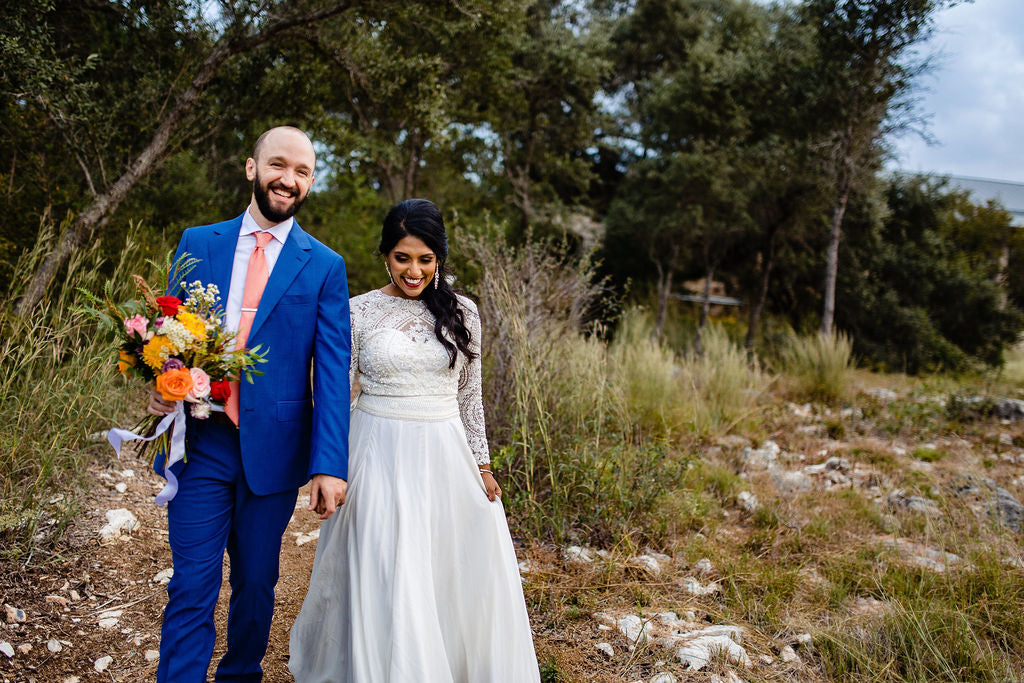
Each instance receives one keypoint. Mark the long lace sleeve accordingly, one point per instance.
(471, 406)
(353, 366)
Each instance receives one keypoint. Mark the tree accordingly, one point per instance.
(866, 72)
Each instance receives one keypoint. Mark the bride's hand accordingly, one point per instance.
(491, 486)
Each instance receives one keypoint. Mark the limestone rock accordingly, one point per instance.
(101, 664)
(56, 600)
(695, 587)
(163, 577)
(788, 654)
(747, 501)
(729, 677)
(1009, 408)
(606, 648)
(999, 502)
(898, 499)
(698, 652)
(791, 482)
(118, 521)
(152, 655)
(14, 615)
(54, 645)
(762, 458)
(576, 553)
(109, 618)
(703, 565)
(7, 649)
(25, 648)
(663, 678)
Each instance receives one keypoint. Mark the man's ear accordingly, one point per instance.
(250, 169)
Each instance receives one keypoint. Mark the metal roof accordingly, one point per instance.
(1007, 193)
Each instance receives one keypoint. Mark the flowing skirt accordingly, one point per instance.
(415, 577)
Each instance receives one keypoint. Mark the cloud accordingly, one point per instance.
(974, 95)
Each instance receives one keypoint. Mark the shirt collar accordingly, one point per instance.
(279, 231)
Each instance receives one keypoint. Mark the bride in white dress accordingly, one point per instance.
(415, 578)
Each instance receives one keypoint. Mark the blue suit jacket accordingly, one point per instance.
(302, 326)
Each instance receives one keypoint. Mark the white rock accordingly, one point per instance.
(804, 639)
(630, 625)
(883, 394)
(575, 553)
(127, 474)
(152, 655)
(7, 649)
(163, 577)
(54, 645)
(303, 539)
(729, 677)
(647, 562)
(694, 587)
(102, 663)
(703, 565)
(765, 659)
(14, 614)
(525, 567)
(606, 649)
(25, 648)
(788, 654)
(109, 618)
(1005, 439)
(120, 487)
(760, 458)
(663, 678)
(71, 679)
(792, 482)
(747, 501)
(118, 521)
(697, 653)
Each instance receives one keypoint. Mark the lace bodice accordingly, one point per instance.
(396, 353)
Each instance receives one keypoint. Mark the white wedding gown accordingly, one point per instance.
(415, 577)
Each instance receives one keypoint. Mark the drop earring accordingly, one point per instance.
(390, 276)
(437, 277)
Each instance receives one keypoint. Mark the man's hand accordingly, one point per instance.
(157, 405)
(326, 494)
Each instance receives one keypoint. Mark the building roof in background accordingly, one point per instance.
(1007, 193)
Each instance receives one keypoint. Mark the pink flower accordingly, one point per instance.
(137, 324)
(200, 385)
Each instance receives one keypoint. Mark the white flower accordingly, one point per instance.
(201, 411)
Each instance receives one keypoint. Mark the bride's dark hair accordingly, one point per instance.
(422, 219)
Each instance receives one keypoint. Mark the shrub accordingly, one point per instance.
(819, 365)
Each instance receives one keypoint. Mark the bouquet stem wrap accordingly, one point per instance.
(175, 450)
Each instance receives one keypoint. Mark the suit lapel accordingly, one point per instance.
(221, 256)
(294, 256)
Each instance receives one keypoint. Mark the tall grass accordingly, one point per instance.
(57, 386)
(819, 366)
(593, 435)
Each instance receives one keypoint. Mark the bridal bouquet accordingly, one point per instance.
(182, 348)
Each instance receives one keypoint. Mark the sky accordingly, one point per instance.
(973, 96)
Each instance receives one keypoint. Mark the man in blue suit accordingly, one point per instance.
(238, 485)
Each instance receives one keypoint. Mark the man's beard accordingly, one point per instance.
(262, 195)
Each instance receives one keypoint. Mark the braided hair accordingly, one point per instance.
(422, 219)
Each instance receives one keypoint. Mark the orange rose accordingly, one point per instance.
(125, 362)
(174, 385)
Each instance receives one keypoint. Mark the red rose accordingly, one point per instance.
(220, 390)
(168, 304)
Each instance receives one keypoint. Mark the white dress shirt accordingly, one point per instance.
(240, 266)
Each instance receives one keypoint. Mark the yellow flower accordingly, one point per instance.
(125, 362)
(156, 351)
(193, 323)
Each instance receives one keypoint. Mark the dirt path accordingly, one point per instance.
(104, 601)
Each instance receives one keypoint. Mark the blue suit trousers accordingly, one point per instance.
(215, 510)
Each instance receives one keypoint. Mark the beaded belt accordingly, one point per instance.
(419, 408)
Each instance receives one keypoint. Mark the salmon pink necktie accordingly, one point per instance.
(255, 282)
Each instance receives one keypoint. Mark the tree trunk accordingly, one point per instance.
(705, 312)
(754, 321)
(664, 289)
(97, 213)
(835, 234)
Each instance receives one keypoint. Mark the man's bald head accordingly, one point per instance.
(278, 132)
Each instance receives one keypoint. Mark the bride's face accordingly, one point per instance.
(412, 264)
